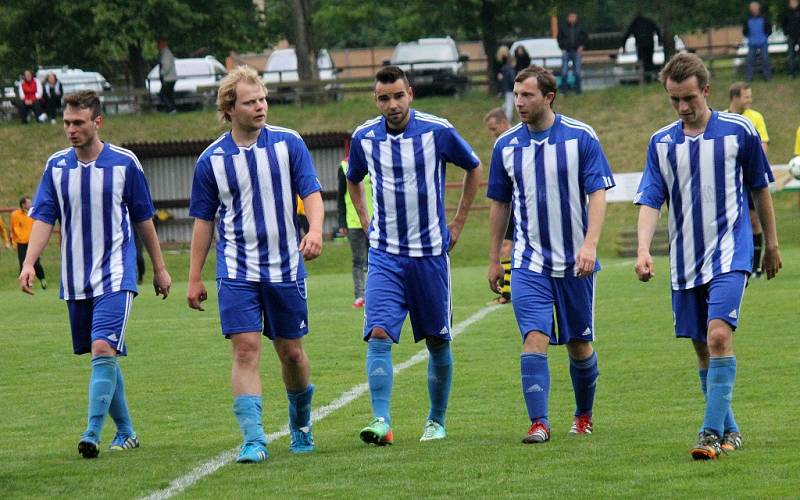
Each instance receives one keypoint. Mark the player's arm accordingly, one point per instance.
(40, 235)
(771, 262)
(469, 187)
(587, 255)
(162, 281)
(498, 221)
(202, 234)
(311, 244)
(359, 198)
(645, 229)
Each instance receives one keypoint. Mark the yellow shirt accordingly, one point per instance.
(758, 122)
(21, 226)
(3, 234)
(301, 208)
(797, 142)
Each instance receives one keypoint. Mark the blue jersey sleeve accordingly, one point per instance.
(756, 171)
(357, 163)
(500, 184)
(454, 149)
(140, 204)
(45, 206)
(652, 190)
(205, 192)
(304, 175)
(595, 171)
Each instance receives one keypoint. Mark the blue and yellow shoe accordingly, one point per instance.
(123, 442)
(87, 446)
(377, 432)
(301, 440)
(433, 431)
(252, 453)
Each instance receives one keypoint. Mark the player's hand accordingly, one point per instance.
(196, 294)
(771, 262)
(343, 231)
(311, 245)
(585, 261)
(644, 266)
(26, 279)
(162, 282)
(455, 233)
(496, 275)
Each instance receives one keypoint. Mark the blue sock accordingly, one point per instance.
(440, 377)
(584, 375)
(380, 376)
(730, 421)
(119, 407)
(101, 389)
(535, 385)
(247, 409)
(300, 407)
(721, 375)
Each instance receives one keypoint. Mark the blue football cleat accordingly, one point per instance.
(122, 442)
(252, 453)
(87, 446)
(302, 441)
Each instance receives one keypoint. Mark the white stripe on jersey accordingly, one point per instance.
(553, 193)
(389, 201)
(268, 213)
(218, 167)
(569, 122)
(127, 153)
(429, 156)
(727, 245)
(411, 200)
(117, 266)
(282, 154)
(739, 120)
(248, 217)
(666, 172)
(96, 203)
(367, 123)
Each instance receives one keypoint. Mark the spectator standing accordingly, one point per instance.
(168, 76)
(643, 30)
(757, 29)
(521, 59)
(505, 80)
(790, 22)
(4, 234)
(30, 92)
(571, 40)
(53, 92)
(21, 226)
(350, 225)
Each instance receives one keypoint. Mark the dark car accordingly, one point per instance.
(433, 65)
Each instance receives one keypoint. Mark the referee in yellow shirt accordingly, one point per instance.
(21, 226)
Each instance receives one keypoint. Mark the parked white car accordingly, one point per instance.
(74, 79)
(196, 76)
(543, 52)
(777, 45)
(432, 65)
(626, 60)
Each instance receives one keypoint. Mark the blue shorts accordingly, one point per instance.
(537, 295)
(720, 298)
(275, 309)
(100, 318)
(415, 286)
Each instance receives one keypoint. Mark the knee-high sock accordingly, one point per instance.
(506, 289)
(118, 410)
(300, 407)
(247, 409)
(440, 377)
(535, 385)
(101, 389)
(721, 376)
(730, 421)
(584, 375)
(380, 376)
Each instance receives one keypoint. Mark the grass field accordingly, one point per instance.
(177, 378)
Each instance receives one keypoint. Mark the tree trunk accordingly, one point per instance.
(137, 66)
(304, 47)
(489, 40)
(665, 20)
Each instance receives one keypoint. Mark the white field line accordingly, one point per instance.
(350, 395)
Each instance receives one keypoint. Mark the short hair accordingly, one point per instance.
(544, 78)
(495, 114)
(683, 66)
(735, 90)
(390, 74)
(22, 200)
(84, 99)
(226, 94)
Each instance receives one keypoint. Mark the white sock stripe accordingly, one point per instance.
(224, 458)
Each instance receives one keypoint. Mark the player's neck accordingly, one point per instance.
(697, 127)
(89, 152)
(244, 137)
(543, 122)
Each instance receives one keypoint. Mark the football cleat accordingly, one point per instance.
(581, 425)
(87, 447)
(538, 433)
(377, 432)
(433, 431)
(301, 440)
(707, 447)
(731, 441)
(252, 453)
(121, 443)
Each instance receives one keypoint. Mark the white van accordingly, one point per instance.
(197, 79)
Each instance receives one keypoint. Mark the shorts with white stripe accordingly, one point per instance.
(104, 317)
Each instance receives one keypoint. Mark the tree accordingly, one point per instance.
(302, 38)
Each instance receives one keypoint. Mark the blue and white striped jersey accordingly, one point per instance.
(96, 203)
(548, 181)
(254, 192)
(408, 176)
(702, 180)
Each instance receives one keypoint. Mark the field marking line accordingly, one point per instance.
(347, 397)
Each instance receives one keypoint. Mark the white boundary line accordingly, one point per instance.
(226, 457)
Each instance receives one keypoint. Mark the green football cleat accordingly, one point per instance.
(377, 432)
(121, 443)
(433, 431)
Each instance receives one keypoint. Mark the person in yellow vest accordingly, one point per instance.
(4, 234)
(301, 217)
(21, 226)
(350, 225)
(740, 101)
(797, 142)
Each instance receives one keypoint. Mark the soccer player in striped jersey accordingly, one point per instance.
(97, 192)
(497, 123)
(404, 151)
(551, 171)
(700, 166)
(250, 179)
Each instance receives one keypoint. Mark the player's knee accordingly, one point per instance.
(719, 337)
(246, 352)
(579, 350)
(379, 333)
(536, 341)
(435, 342)
(292, 355)
(102, 348)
